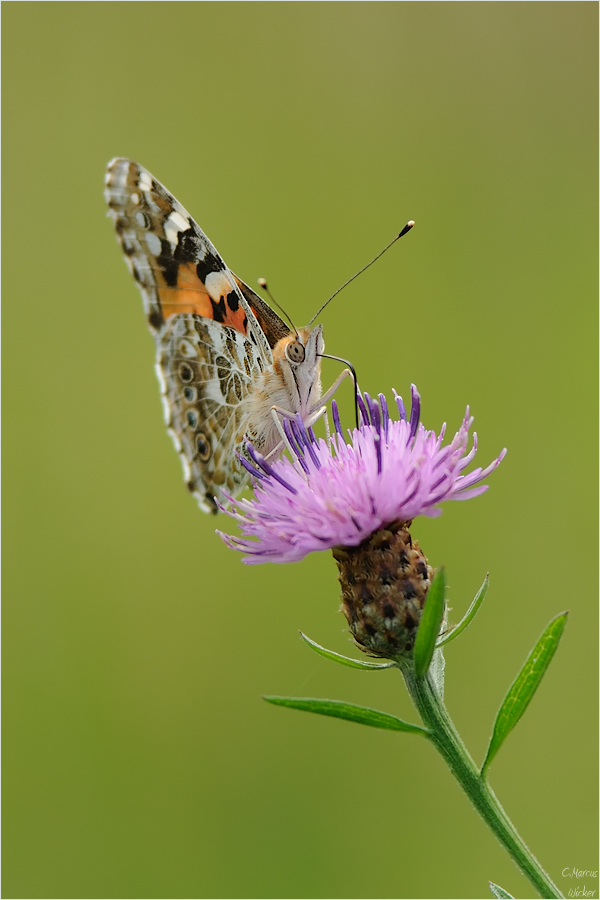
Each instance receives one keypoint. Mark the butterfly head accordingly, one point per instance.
(304, 347)
(298, 358)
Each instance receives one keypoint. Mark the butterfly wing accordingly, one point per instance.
(213, 333)
(206, 371)
(272, 326)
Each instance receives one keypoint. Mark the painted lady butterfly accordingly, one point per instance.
(229, 368)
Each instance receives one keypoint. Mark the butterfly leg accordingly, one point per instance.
(315, 412)
(314, 415)
(276, 412)
(329, 394)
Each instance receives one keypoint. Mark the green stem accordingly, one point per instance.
(445, 738)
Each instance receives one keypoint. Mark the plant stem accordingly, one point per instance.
(446, 739)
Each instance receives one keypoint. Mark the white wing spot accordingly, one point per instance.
(161, 378)
(135, 198)
(187, 473)
(178, 220)
(145, 181)
(167, 413)
(204, 506)
(217, 285)
(153, 243)
(174, 224)
(140, 219)
(177, 445)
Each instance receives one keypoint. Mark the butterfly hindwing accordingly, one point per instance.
(206, 371)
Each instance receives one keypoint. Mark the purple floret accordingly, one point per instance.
(337, 493)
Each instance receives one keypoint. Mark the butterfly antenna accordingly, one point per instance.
(262, 283)
(404, 231)
(353, 373)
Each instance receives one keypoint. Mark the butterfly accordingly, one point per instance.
(230, 369)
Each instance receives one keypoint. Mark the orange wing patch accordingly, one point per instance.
(215, 299)
(188, 296)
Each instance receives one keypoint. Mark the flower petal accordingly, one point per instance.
(338, 492)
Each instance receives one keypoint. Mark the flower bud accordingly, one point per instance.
(384, 582)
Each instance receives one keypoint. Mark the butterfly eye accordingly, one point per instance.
(295, 352)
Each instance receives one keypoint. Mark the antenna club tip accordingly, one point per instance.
(406, 228)
(262, 282)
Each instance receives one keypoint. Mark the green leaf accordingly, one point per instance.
(430, 624)
(518, 698)
(497, 891)
(468, 616)
(346, 660)
(340, 710)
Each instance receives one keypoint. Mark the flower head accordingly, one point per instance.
(336, 493)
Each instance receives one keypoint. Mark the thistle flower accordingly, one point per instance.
(334, 493)
(358, 499)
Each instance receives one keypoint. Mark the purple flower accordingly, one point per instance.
(336, 493)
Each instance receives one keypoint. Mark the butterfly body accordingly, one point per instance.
(287, 386)
(224, 359)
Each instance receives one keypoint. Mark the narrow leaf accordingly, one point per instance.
(497, 891)
(340, 710)
(518, 698)
(468, 616)
(346, 660)
(430, 624)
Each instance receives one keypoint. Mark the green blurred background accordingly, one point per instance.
(139, 758)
